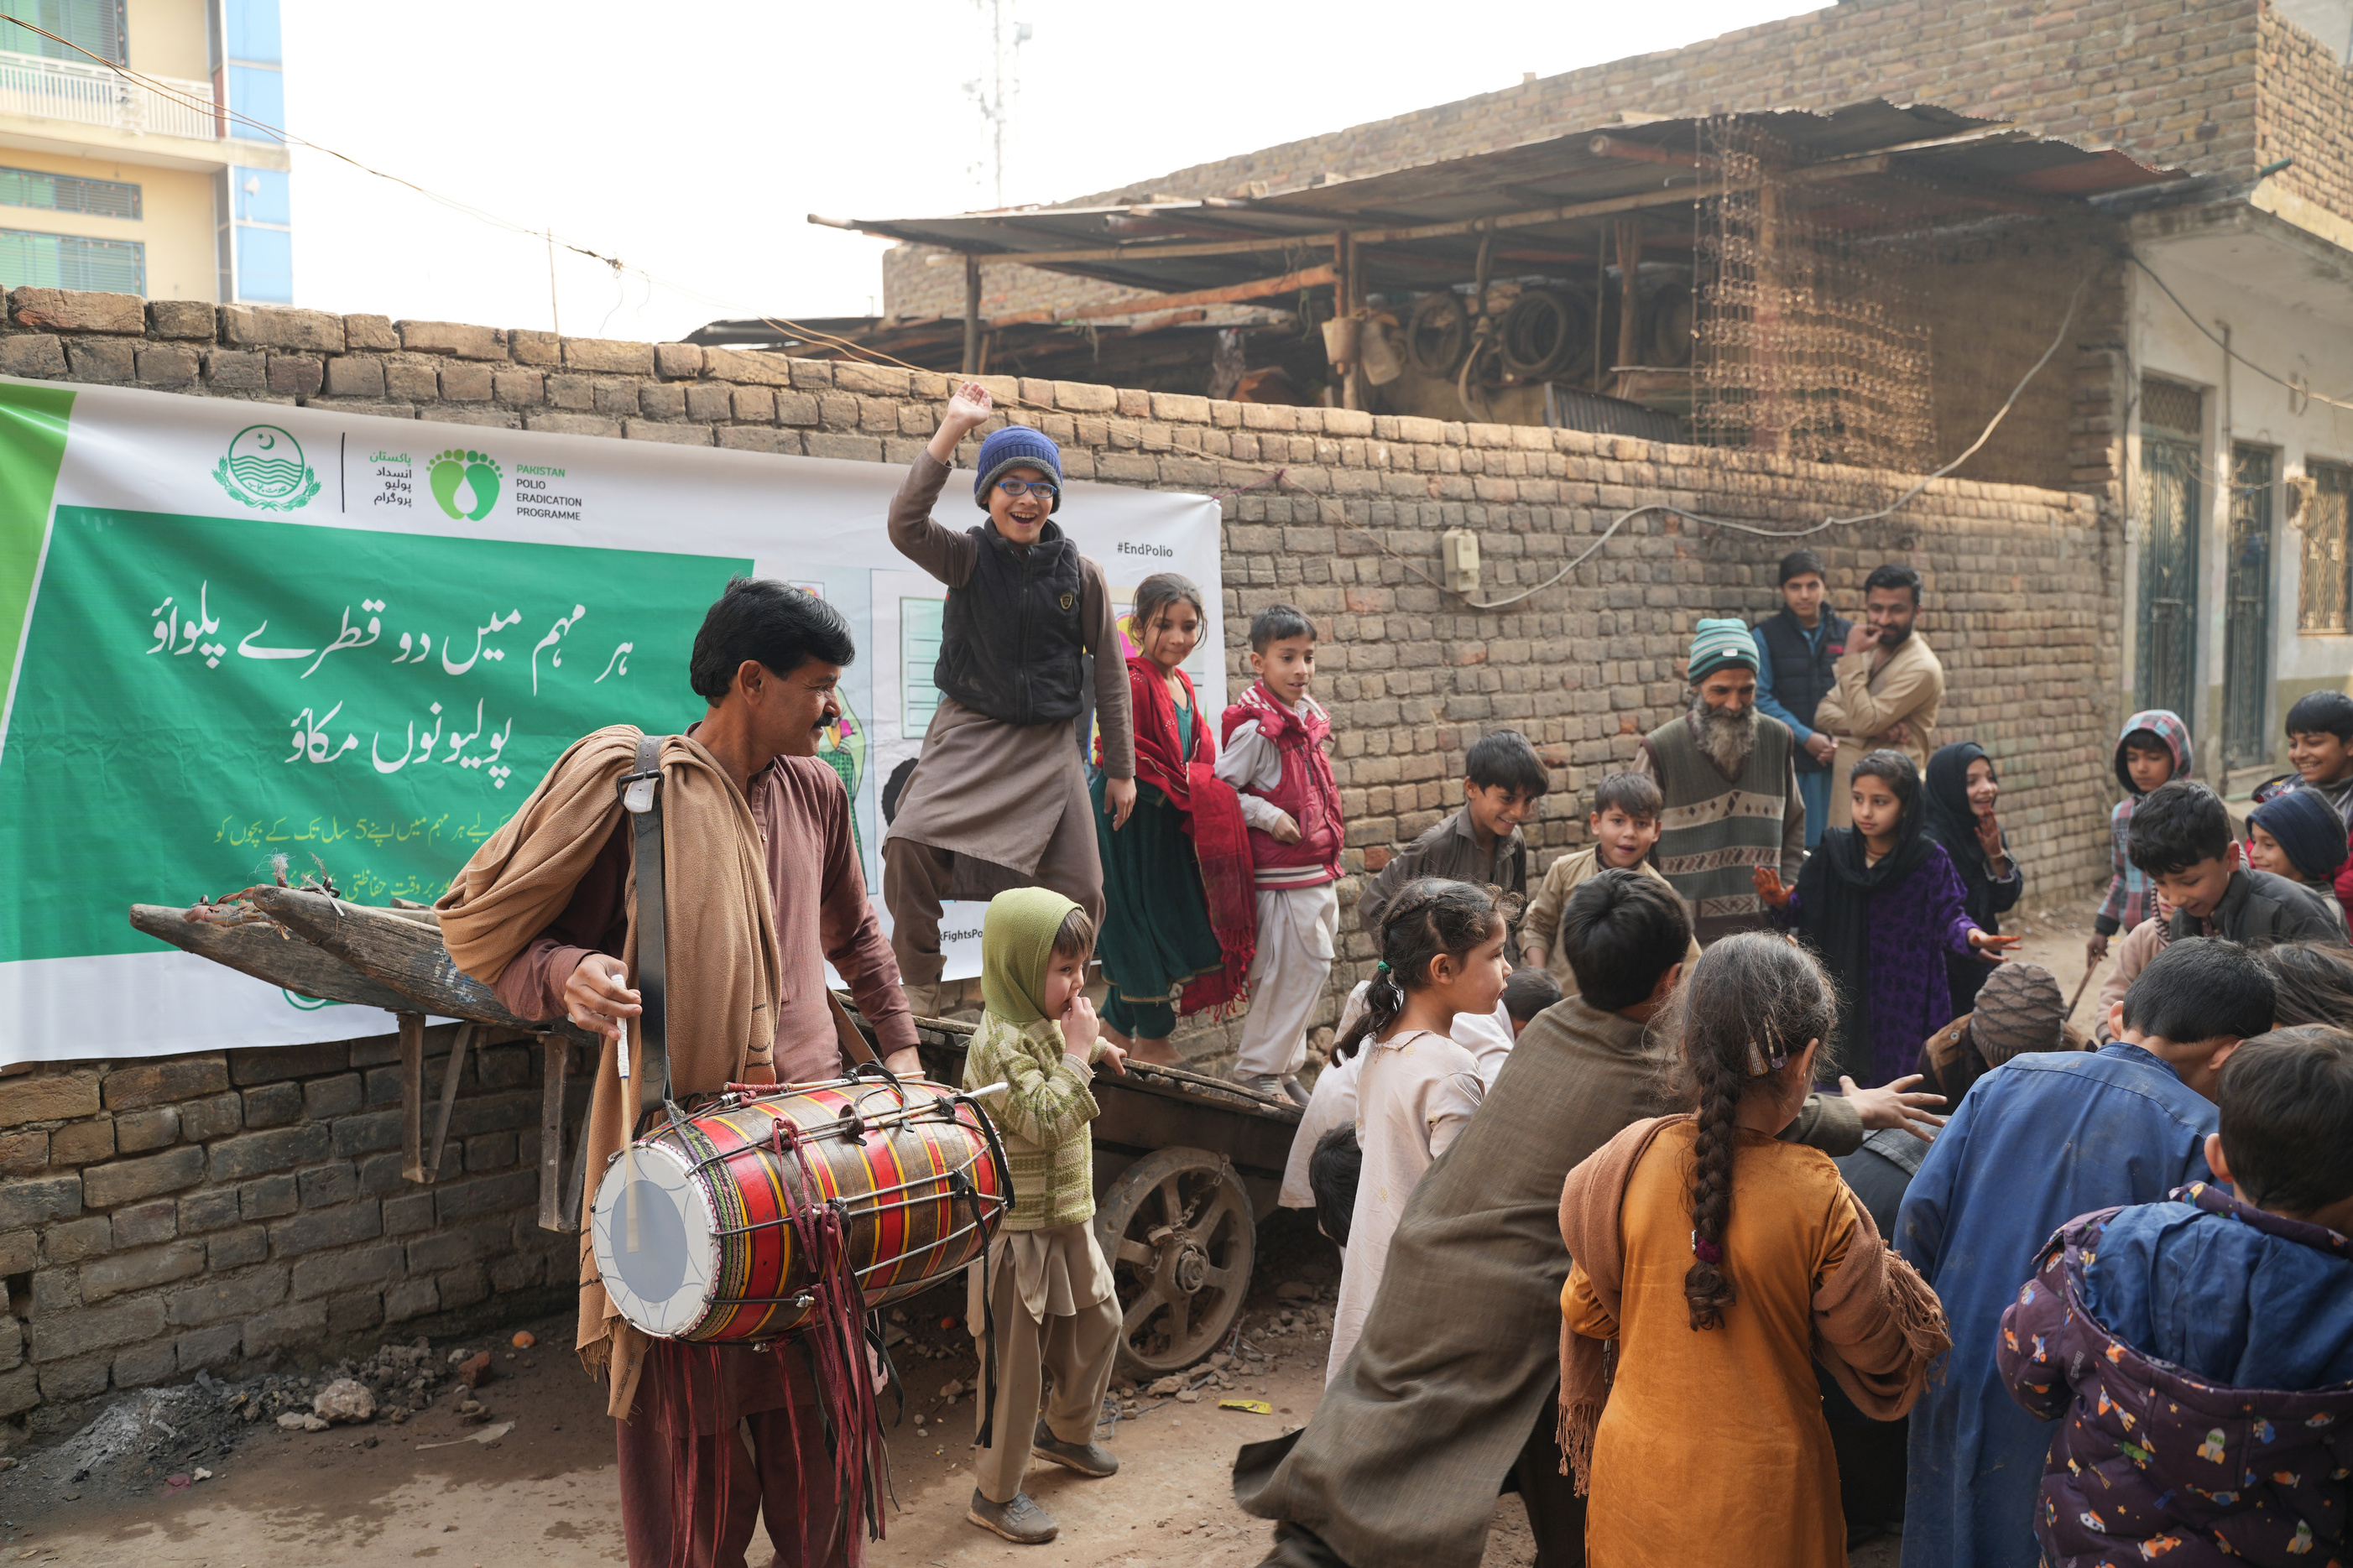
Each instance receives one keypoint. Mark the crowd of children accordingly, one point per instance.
(1605, 1241)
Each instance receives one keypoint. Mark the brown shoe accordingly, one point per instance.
(1021, 1521)
(1090, 1459)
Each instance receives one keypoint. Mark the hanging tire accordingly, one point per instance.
(1178, 1230)
(1436, 334)
(1671, 318)
(1547, 333)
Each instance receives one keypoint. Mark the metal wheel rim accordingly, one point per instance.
(1178, 1233)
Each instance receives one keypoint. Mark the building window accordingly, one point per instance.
(71, 261)
(2326, 589)
(69, 193)
(265, 265)
(92, 25)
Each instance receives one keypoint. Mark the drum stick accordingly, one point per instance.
(628, 1153)
(984, 1093)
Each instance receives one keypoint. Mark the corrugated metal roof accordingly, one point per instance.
(1870, 164)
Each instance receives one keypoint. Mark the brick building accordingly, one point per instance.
(2202, 397)
(227, 1209)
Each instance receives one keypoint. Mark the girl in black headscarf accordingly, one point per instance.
(1962, 789)
(1879, 904)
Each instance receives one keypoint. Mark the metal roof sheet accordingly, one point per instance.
(1867, 164)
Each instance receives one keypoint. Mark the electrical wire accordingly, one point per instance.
(2074, 301)
(2295, 387)
(1272, 473)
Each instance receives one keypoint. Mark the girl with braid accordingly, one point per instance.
(1442, 955)
(1723, 1262)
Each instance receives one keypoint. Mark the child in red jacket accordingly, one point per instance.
(1277, 745)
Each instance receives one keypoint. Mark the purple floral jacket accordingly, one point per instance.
(2153, 1462)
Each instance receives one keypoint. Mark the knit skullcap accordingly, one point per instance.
(1018, 447)
(1718, 643)
(2018, 1009)
(2306, 827)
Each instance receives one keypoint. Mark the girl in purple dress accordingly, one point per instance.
(1881, 905)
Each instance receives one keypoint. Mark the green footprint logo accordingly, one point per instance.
(465, 484)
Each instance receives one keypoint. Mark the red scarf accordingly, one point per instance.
(1212, 815)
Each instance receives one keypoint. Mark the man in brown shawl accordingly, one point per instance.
(1449, 1396)
(763, 888)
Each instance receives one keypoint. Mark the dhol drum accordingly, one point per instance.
(713, 1238)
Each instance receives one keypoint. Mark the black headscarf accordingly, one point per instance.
(1953, 825)
(1834, 897)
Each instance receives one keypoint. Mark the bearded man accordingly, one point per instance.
(1888, 688)
(1730, 788)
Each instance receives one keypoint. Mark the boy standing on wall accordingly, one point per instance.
(999, 798)
(1277, 746)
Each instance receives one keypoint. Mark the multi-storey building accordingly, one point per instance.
(147, 183)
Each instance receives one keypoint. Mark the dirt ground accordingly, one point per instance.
(542, 1492)
(541, 1489)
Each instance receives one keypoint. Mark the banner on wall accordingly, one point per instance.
(236, 631)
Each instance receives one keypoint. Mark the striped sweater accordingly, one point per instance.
(1042, 1117)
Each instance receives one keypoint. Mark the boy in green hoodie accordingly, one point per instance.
(1048, 1289)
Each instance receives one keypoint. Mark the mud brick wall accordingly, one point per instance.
(219, 1210)
(2172, 83)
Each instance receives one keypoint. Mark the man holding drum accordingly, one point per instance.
(762, 888)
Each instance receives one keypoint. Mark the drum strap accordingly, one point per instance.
(641, 798)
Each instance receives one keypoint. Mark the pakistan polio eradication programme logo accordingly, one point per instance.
(465, 484)
(264, 469)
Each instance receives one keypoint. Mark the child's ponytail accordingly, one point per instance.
(1750, 1005)
(1430, 916)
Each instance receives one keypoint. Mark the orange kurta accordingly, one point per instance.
(1715, 1440)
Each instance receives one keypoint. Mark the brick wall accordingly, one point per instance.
(224, 1209)
(2169, 82)
(217, 1211)
(2305, 108)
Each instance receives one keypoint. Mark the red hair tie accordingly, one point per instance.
(1706, 1251)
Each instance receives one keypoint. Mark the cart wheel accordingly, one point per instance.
(1178, 1229)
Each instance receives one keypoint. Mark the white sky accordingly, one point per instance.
(695, 149)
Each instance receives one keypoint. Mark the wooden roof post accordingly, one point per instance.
(971, 314)
(1630, 294)
(1346, 300)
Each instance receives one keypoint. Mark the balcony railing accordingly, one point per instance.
(92, 95)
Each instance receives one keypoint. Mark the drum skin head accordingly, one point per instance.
(663, 1287)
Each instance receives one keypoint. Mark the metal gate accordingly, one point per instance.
(2247, 631)
(2169, 574)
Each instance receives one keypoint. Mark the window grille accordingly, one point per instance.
(2325, 588)
(69, 193)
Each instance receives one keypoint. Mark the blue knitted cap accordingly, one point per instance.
(1717, 643)
(1017, 447)
(2305, 827)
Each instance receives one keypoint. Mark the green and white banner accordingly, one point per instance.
(234, 632)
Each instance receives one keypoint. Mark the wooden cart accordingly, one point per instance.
(1185, 1164)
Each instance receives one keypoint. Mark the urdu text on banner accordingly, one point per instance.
(236, 631)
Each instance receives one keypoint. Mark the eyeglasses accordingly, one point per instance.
(1017, 489)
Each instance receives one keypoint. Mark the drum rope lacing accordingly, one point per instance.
(834, 1337)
